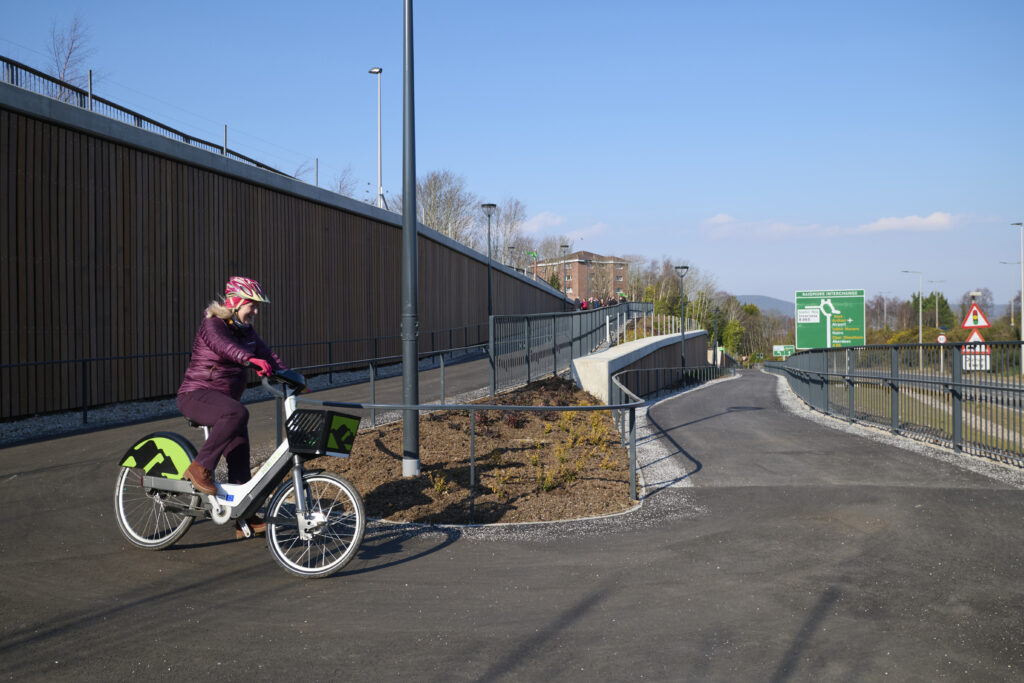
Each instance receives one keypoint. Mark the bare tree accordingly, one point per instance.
(346, 182)
(550, 248)
(984, 299)
(445, 204)
(507, 228)
(69, 50)
(303, 171)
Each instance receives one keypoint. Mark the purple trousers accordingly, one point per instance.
(228, 421)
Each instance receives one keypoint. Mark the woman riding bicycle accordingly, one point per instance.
(224, 347)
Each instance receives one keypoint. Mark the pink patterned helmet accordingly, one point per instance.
(241, 289)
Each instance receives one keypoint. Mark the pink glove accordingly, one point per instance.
(262, 366)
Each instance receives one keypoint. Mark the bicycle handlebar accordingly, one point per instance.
(289, 378)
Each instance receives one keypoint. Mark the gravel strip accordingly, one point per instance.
(1005, 474)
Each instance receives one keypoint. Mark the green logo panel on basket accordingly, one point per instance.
(341, 434)
(158, 457)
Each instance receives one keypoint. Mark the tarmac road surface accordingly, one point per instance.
(774, 549)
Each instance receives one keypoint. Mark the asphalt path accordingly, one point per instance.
(769, 547)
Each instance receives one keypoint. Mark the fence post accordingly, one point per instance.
(632, 453)
(472, 464)
(849, 380)
(330, 362)
(85, 391)
(529, 350)
(373, 396)
(554, 347)
(958, 398)
(490, 350)
(824, 382)
(894, 389)
(442, 379)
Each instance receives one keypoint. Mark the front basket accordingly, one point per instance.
(321, 432)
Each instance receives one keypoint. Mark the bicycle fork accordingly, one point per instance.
(308, 521)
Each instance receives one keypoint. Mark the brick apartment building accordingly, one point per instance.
(588, 275)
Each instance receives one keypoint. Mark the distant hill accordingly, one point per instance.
(767, 303)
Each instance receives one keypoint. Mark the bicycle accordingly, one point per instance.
(311, 535)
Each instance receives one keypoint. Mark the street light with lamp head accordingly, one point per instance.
(936, 302)
(381, 203)
(920, 316)
(564, 248)
(681, 271)
(1021, 226)
(1013, 300)
(488, 209)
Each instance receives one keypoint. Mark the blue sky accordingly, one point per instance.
(777, 146)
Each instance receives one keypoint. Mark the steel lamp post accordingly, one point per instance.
(1021, 227)
(565, 294)
(920, 315)
(681, 270)
(380, 178)
(936, 302)
(488, 209)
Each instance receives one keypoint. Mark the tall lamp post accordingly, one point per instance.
(565, 279)
(410, 262)
(381, 203)
(1021, 226)
(1012, 302)
(489, 210)
(936, 301)
(681, 270)
(920, 316)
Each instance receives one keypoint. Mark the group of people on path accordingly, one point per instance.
(595, 302)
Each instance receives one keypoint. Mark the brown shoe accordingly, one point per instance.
(201, 478)
(256, 524)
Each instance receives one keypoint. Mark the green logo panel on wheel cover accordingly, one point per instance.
(158, 457)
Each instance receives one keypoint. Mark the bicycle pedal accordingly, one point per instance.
(246, 530)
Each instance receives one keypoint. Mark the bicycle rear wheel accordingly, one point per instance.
(336, 526)
(150, 520)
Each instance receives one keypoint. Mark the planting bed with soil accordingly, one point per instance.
(530, 465)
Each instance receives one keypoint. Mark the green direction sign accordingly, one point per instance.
(827, 318)
(783, 350)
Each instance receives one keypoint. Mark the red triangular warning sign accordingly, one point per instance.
(975, 318)
(976, 345)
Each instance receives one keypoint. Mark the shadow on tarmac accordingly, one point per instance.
(384, 545)
(661, 434)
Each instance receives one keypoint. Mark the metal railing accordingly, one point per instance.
(130, 374)
(26, 77)
(965, 396)
(525, 347)
(623, 410)
(627, 434)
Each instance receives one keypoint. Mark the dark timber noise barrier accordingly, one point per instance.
(115, 238)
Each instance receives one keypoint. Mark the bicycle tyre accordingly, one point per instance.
(334, 543)
(142, 518)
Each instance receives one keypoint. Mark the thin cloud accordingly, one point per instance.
(724, 226)
(592, 231)
(543, 221)
(936, 221)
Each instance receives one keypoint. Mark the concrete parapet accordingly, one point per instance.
(593, 373)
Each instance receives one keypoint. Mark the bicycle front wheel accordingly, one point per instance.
(149, 519)
(330, 536)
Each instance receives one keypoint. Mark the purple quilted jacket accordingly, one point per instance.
(220, 354)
